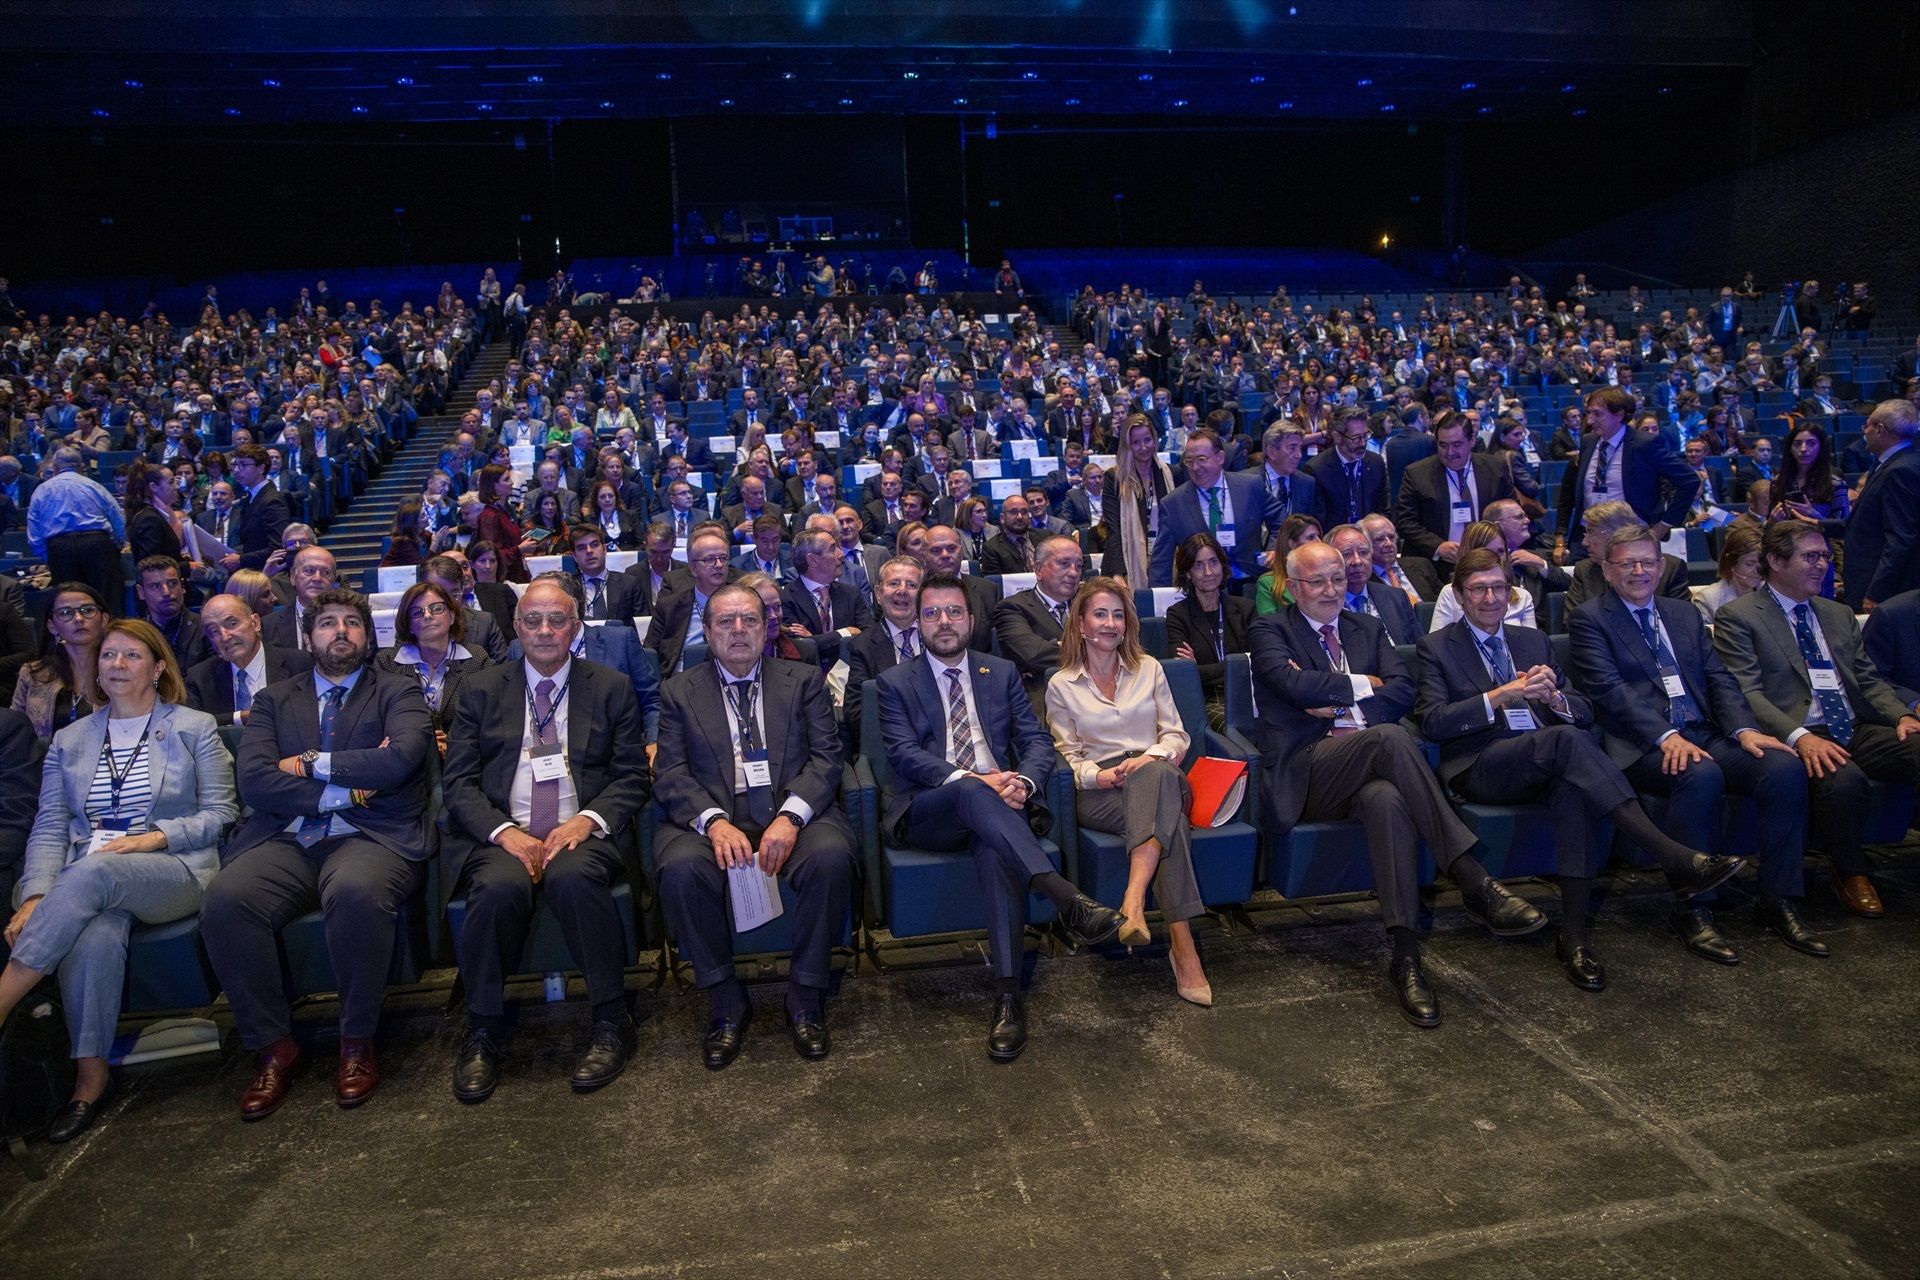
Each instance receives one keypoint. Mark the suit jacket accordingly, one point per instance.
(869, 655)
(1424, 574)
(1184, 514)
(497, 601)
(1648, 464)
(190, 776)
(1330, 477)
(1029, 636)
(1615, 666)
(623, 597)
(849, 610)
(748, 561)
(1892, 639)
(1453, 680)
(1286, 693)
(1424, 512)
(1186, 624)
(210, 682)
(262, 520)
(1396, 612)
(20, 778)
(913, 726)
(381, 738)
(1756, 641)
(614, 645)
(697, 754)
(606, 753)
(1303, 496)
(1883, 537)
(1002, 555)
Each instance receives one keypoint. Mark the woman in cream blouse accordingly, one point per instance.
(1113, 718)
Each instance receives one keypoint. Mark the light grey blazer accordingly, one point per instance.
(1757, 644)
(191, 776)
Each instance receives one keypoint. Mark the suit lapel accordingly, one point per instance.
(1467, 654)
(1620, 617)
(357, 702)
(1306, 641)
(159, 750)
(775, 692)
(713, 720)
(1774, 621)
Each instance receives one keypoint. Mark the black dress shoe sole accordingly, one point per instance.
(1006, 1055)
(63, 1131)
(475, 1093)
(1725, 874)
(1595, 985)
(590, 1084)
(1520, 931)
(1818, 950)
(1727, 957)
(1425, 1021)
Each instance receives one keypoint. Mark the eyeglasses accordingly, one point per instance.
(1324, 583)
(1637, 565)
(709, 560)
(68, 612)
(547, 621)
(434, 610)
(1814, 559)
(1482, 590)
(950, 612)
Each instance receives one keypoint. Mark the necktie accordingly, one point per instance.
(906, 646)
(1059, 612)
(1461, 493)
(1681, 710)
(1353, 492)
(1602, 457)
(313, 830)
(1359, 602)
(1833, 703)
(545, 808)
(1283, 494)
(596, 599)
(826, 609)
(740, 693)
(959, 724)
(1330, 638)
(242, 690)
(1213, 509)
(1026, 552)
(1496, 650)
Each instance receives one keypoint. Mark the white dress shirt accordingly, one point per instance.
(520, 794)
(1816, 715)
(983, 758)
(793, 804)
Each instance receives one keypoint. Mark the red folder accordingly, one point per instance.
(1218, 787)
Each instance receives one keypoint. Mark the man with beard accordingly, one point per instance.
(332, 773)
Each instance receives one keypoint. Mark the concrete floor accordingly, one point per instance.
(1693, 1120)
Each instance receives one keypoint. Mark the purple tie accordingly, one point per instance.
(546, 795)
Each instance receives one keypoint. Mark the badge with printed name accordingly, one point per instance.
(1225, 538)
(1674, 686)
(1825, 678)
(549, 762)
(759, 772)
(1519, 717)
(107, 831)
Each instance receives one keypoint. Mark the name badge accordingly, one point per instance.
(108, 830)
(758, 769)
(1674, 687)
(1224, 536)
(1519, 717)
(1824, 677)
(1463, 511)
(549, 762)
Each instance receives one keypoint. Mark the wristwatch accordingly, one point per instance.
(306, 763)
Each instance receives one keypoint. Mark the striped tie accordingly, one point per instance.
(959, 725)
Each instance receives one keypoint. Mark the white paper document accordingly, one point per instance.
(756, 897)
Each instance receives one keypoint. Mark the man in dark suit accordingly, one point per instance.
(1232, 507)
(1619, 464)
(1891, 635)
(1799, 659)
(1290, 491)
(749, 415)
(611, 597)
(769, 553)
(749, 779)
(545, 771)
(163, 598)
(1513, 731)
(1680, 727)
(1331, 694)
(1028, 624)
(612, 645)
(1727, 321)
(241, 665)
(332, 773)
(1011, 550)
(753, 504)
(942, 554)
(1366, 593)
(802, 486)
(818, 602)
(1351, 479)
(312, 572)
(1416, 579)
(1883, 537)
(893, 638)
(1441, 495)
(678, 614)
(967, 756)
(264, 514)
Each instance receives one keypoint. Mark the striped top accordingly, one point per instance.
(129, 753)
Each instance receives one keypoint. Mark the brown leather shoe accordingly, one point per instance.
(1858, 895)
(280, 1062)
(359, 1073)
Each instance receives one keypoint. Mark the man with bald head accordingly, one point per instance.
(1883, 538)
(242, 663)
(312, 571)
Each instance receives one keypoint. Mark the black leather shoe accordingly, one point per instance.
(1411, 989)
(1089, 924)
(809, 1032)
(608, 1048)
(476, 1068)
(1695, 927)
(75, 1120)
(1007, 1037)
(1780, 917)
(1584, 969)
(724, 1038)
(1706, 871)
(1502, 911)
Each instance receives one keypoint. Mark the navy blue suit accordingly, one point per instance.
(1891, 637)
(1340, 502)
(1184, 513)
(1302, 496)
(919, 806)
(1646, 460)
(1614, 664)
(1883, 537)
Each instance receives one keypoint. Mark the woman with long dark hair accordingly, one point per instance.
(496, 524)
(57, 687)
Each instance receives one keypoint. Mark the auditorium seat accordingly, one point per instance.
(1224, 857)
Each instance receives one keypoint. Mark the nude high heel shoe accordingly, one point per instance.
(1201, 995)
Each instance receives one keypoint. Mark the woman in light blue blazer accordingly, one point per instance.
(133, 801)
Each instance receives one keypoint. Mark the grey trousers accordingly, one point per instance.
(1152, 805)
(81, 928)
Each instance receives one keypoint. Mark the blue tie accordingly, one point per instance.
(1357, 601)
(1833, 703)
(313, 830)
(1496, 650)
(1681, 710)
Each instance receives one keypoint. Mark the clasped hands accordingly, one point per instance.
(1536, 683)
(534, 853)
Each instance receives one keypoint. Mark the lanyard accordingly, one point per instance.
(553, 709)
(117, 778)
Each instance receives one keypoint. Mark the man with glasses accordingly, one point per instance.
(1352, 479)
(679, 613)
(1799, 660)
(545, 771)
(1231, 507)
(749, 780)
(1513, 731)
(242, 664)
(332, 775)
(968, 755)
(1332, 692)
(1029, 623)
(1676, 721)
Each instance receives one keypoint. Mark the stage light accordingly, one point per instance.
(270, 84)
(1286, 106)
(1566, 88)
(1579, 111)
(786, 75)
(484, 106)
(1386, 106)
(1666, 88)
(846, 102)
(663, 75)
(134, 84)
(1073, 102)
(101, 113)
(726, 102)
(1386, 242)
(959, 102)
(1180, 102)
(1486, 111)
(910, 75)
(405, 82)
(1469, 85)
(1146, 76)
(1030, 75)
(233, 111)
(606, 106)
(1256, 79)
(359, 110)
(1363, 83)
(530, 80)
